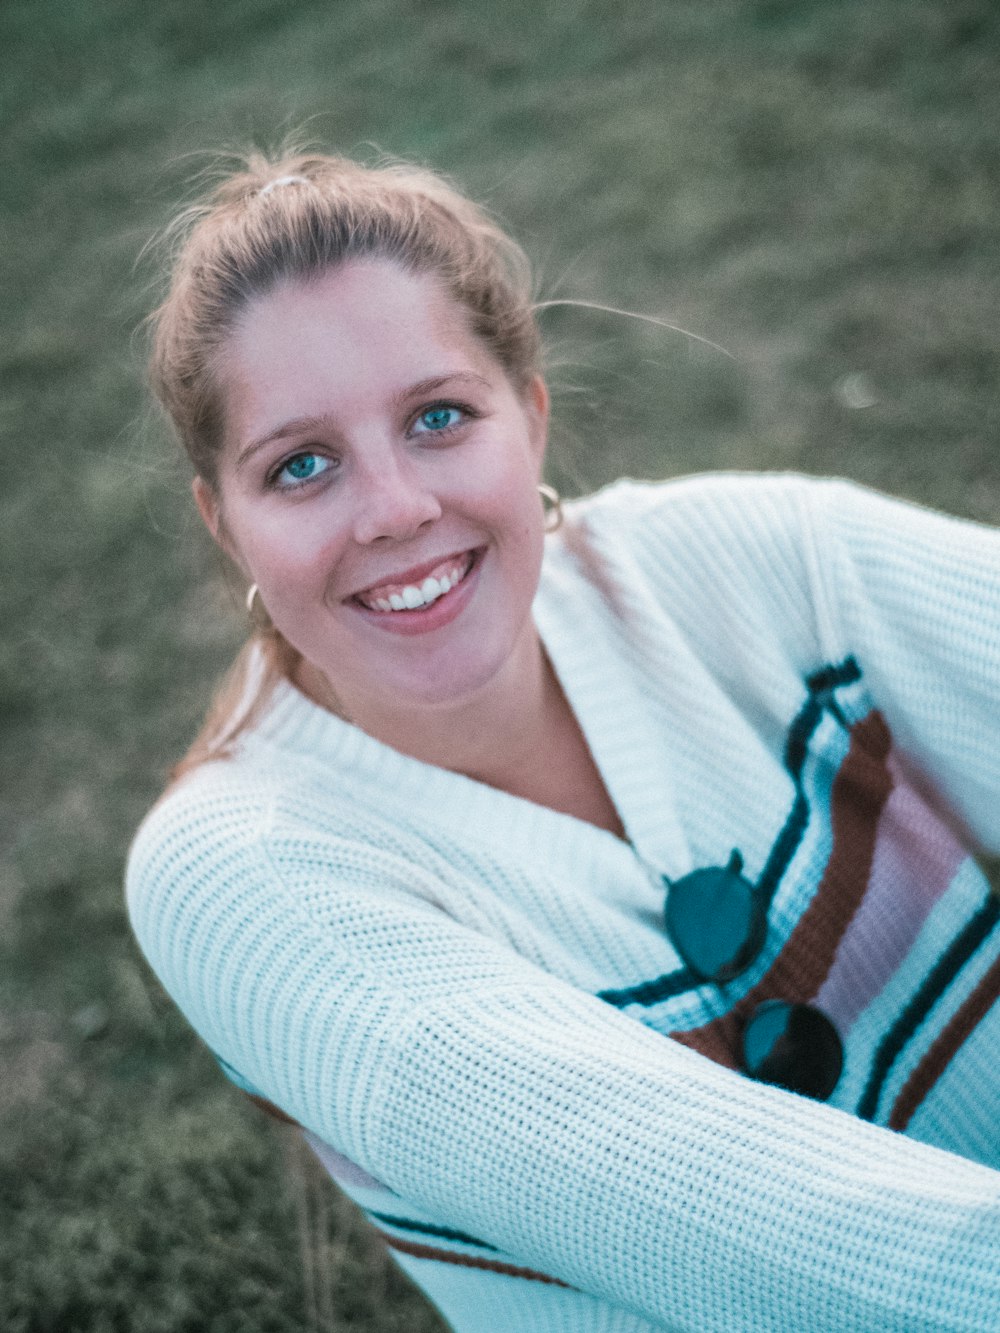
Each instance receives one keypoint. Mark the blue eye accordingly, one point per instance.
(301, 467)
(441, 417)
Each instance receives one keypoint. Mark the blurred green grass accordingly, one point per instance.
(812, 185)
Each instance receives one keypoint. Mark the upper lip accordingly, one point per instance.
(415, 574)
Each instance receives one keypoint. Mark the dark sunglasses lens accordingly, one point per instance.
(716, 922)
(794, 1046)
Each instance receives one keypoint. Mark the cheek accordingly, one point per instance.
(507, 485)
(291, 552)
(513, 510)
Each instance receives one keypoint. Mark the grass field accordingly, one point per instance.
(812, 185)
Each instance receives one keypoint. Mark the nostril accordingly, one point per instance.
(396, 515)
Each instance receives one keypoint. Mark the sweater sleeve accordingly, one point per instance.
(916, 596)
(537, 1118)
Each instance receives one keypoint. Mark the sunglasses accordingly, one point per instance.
(716, 919)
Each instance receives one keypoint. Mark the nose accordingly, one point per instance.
(393, 501)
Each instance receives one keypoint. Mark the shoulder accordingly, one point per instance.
(203, 838)
(708, 496)
(273, 834)
(233, 822)
(226, 873)
(219, 801)
(776, 521)
(700, 524)
(703, 509)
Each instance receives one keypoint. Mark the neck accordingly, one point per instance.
(518, 734)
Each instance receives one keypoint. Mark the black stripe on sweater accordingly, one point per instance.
(821, 685)
(428, 1229)
(933, 986)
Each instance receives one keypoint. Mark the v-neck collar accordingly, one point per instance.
(579, 633)
(594, 664)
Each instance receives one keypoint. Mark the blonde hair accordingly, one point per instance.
(291, 218)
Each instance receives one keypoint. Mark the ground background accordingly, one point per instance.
(813, 185)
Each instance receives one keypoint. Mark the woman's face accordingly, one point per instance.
(378, 482)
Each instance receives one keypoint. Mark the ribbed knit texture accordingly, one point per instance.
(469, 1001)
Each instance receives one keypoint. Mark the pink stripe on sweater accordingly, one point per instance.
(341, 1168)
(916, 858)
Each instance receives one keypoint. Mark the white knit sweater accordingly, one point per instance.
(469, 1001)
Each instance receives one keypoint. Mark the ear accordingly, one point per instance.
(210, 510)
(207, 500)
(208, 507)
(537, 406)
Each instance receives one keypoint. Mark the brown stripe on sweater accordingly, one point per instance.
(860, 790)
(419, 1251)
(936, 1058)
(269, 1108)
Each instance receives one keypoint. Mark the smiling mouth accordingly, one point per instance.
(394, 598)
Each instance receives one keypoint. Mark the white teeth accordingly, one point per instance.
(412, 596)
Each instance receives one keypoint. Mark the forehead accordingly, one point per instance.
(367, 326)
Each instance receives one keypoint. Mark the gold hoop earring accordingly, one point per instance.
(257, 612)
(552, 501)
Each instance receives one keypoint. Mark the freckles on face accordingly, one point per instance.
(371, 437)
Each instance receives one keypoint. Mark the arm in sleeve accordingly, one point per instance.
(541, 1120)
(915, 595)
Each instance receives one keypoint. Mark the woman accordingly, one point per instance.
(593, 887)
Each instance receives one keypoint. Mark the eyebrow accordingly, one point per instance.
(302, 425)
